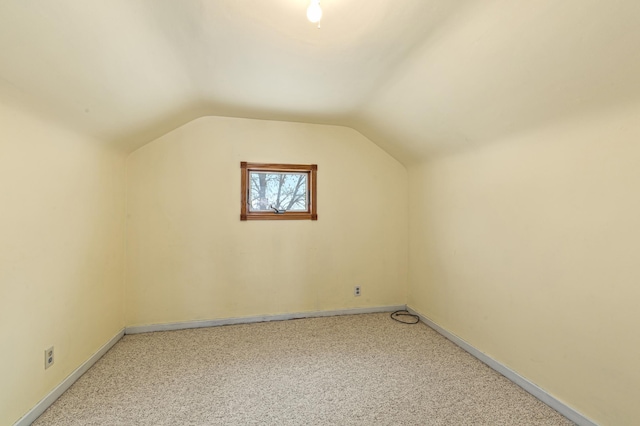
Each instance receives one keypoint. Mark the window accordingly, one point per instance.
(278, 191)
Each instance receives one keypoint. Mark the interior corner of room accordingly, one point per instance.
(478, 162)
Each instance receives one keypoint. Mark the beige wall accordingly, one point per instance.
(61, 262)
(189, 257)
(529, 250)
(525, 248)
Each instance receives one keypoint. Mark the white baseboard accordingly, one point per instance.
(262, 318)
(51, 397)
(516, 378)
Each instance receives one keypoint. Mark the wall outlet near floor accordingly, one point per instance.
(48, 357)
(356, 290)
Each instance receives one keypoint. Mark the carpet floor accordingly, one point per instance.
(347, 370)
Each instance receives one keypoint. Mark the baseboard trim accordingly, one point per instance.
(51, 397)
(261, 318)
(516, 378)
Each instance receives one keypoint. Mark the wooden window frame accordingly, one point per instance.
(310, 169)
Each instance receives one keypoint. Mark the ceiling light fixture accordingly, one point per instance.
(314, 13)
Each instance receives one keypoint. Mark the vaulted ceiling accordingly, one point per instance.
(416, 76)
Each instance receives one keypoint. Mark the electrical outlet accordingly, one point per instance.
(48, 358)
(356, 290)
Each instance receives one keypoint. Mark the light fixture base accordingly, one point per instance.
(314, 12)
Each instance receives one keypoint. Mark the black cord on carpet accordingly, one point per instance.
(405, 313)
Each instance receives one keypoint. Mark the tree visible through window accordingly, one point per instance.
(278, 191)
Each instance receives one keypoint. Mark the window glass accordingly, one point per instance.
(281, 191)
(278, 191)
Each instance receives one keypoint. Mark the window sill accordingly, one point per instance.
(283, 216)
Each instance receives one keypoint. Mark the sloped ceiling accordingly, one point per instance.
(417, 77)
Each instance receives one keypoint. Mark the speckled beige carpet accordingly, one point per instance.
(349, 370)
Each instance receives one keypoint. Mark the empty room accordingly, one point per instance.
(319, 212)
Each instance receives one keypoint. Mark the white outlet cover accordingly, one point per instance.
(49, 357)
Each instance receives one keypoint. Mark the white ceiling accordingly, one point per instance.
(416, 76)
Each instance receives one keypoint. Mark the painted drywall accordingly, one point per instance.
(497, 67)
(417, 77)
(167, 62)
(61, 254)
(189, 257)
(528, 250)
